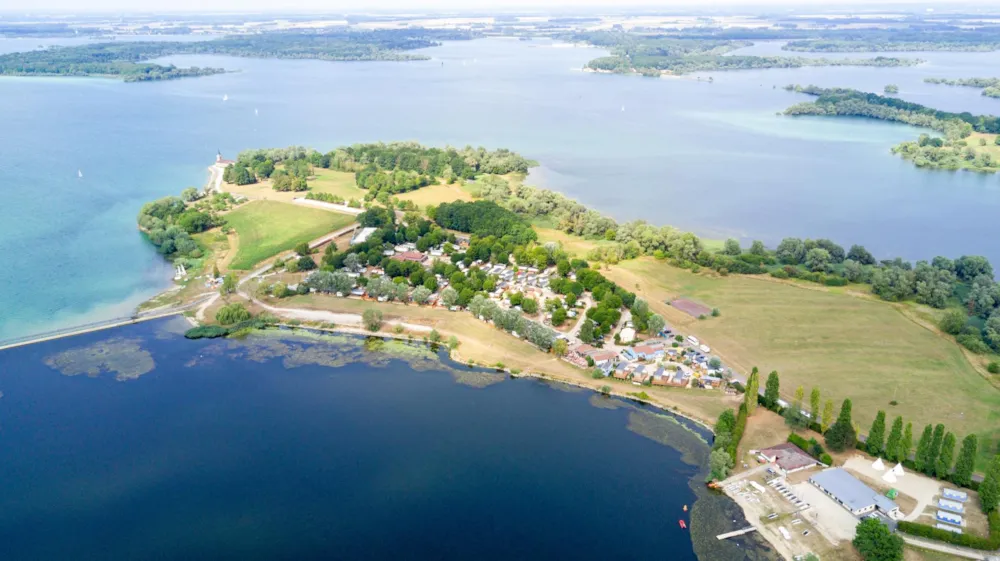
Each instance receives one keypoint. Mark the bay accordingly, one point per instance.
(300, 447)
(711, 157)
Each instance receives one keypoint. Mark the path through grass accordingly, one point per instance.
(266, 228)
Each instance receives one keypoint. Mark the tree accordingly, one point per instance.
(352, 262)
(302, 248)
(750, 397)
(529, 306)
(732, 247)
(655, 323)
(793, 414)
(434, 336)
(372, 319)
(306, 263)
(945, 460)
(190, 194)
(842, 434)
(452, 343)
(771, 394)
(449, 296)
(875, 542)
(989, 489)
(827, 419)
(814, 404)
(906, 446)
(757, 248)
(215, 270)
(935, 450)
(560, 347)
(817, 259)
(791, 251)
(953, 321)
(421, 294)
(587, 331)
(968, 267)
(966, 461)
(229, 284)
(895, 439)
(232, 313)
(719, 463)
(876, 436)
(923, 459)
(861, 255)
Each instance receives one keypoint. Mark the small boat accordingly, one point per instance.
(685, 508)
(225, 97)
(79, 173)
(683, 525)
(255, 112)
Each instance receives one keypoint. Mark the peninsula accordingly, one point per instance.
(969, 141)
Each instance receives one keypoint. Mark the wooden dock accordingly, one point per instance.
(733, 534)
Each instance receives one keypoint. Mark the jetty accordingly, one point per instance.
(735, 533)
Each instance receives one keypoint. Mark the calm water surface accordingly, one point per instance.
(288, 448)
(710, 157)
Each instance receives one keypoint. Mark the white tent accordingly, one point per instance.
(878, 465)
(898, 470)
(889, 477)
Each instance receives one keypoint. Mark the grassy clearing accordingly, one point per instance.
(338, 183)
(435, 195)
(487, 346)
(266, 228)
(574, 245)
(848, 346)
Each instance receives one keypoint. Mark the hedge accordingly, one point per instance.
(805, 446)
(215, 331)
(967, 540)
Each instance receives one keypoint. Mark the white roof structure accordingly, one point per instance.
(889, 477)
(898, 470)
(878, 465)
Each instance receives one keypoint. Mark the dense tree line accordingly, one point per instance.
(484, 218)
(990, 86)
(169, 222)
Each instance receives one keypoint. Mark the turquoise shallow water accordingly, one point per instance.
(710, 157)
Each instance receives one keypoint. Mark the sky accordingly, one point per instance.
(334, 6)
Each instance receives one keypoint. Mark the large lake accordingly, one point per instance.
(707, 156)
(284, 447)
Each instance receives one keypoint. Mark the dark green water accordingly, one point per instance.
(292, 447)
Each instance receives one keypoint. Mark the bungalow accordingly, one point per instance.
(649, 352)
(660, 377)
(630, 354)
(641, 375)
(583, 350)
(711, 381)
(622, 371)
(788, 457)
(603, 356)
(410, 256)
(680, 379)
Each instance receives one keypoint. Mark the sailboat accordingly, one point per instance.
(255, 112)
(79, 174)
(623, 108)
(225, 97)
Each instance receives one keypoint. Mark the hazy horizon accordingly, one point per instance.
(19, 7)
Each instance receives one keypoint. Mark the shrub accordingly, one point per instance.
(716, 313)
(232, 313)
(835, 281)
(826, 459)
(779, 274)
(372, 319)
(993, 367)
(206, 332)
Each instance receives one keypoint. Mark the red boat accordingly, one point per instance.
(683, 525)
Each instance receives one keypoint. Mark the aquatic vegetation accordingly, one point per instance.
(125, 357)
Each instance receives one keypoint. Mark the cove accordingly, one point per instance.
(288, 447)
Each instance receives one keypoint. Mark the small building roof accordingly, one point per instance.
(850, 491)
(788, 456)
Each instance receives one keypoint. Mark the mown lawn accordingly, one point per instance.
(266, 228)
(340, 183)
(435, 195)
(848, 346)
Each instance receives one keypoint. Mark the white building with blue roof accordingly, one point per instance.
(852, 494)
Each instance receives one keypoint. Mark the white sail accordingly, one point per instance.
(79, 174)
(623, 108)
(225, 97)
(256, 112)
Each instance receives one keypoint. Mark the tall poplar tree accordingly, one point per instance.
(753, 387)
(842, 435)
(924, 449)
(966, 461)
(989, 489)
(935, 450)
(773, 389)
(906, 446)
(895, 439)
(814, 405)
(945, 460)
(876, 436)
(827, 416)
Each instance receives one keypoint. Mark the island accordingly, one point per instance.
(129, 60)
(658, 55)
(990, 86)
(969, 141)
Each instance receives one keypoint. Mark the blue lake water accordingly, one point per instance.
(709, 157)
(290, 448)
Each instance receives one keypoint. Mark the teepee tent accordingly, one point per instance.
(889, 477)
(878, 465)
(898, 470)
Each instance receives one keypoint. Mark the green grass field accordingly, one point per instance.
(338, 183)
(266, 228)
(846, 345)
(435, 195)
